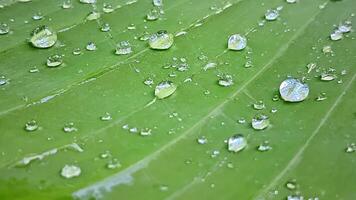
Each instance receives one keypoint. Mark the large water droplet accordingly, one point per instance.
(43, 37)
(165, 89)
(31, 126)
(70, 171)
(4, 29)
(54, 61)
(260, 122)
(236, 143)
(271, 15)
(161, 40)
(237, 42)
(293, 90)
(123, 48)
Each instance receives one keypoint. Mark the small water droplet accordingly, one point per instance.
(133, 130)
(108, 8)
(295, 197)
(163, 188)
(351, 148)
(241, 120)
(69, 127)
(113, 164)
(215, 153)
(91, 46)
(259, 105)
(202, 140)
(4, 29)
(145, 132)
(225, 81)
(131, 27)
(336, 35)
(77, 51)
(271, 15)
(148, 81)
(237, 42)
(37, 16)
(260, 122)
(157, 2)
(311, 67)
(105, 27)
(88, 1)
(327, 49)
(67, 4)
(31, 126)
(345, 27)
(321, 97)
(165, 89)
(291, 185)
(32, 70)
(264, 147)
(153, 14)
(70, 171)
(93, 15)
(209, 65)
(293, 90)
(54, 61)
(106, 117)
(291, 1)
(105, 155)
(161, 40)
(327, 77)
(43, 37)
(123, 48)
(237, 143)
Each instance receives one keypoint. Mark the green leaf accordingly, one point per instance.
(130, 145)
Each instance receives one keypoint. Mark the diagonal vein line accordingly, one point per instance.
(145, 161)
(296, 158)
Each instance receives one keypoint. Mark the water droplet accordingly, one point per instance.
(123, 48)
(32, 70)
(274, 110)
(37, 16)
(157, 2)
(54, 61)
(88, 1)
(209, 65)
(3, 80)
(215, 153)
(148, 81)
(345, 27)
(241, 120)
(133, 130)
(113, 164)
(77, 51)
(91, 46)
(236, 143)
(43, 37)
(336, 35)
(145, 132)
(67, 4)
(259, 105)
(351, 148)
(31, 126)
(264, 147)
(165, 89)
(106, 117)
(108, 8)
(260, 122)
(153, 14)
(293, 90)
(291, 185)
(271, 15)
(131, 27)
(321, 97)
(145, 36)
(295, 197)
(161, 40)
(327, 49)
(202, 140)
(226, 81)
(105, 155)
(93, 16)
(69, 127)
(311, 67)
(105, 28)
(327, 77)
(4, 29)
(237, 42)
(291, 1)
(70, 171)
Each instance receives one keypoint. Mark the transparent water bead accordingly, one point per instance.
(291, 185)
(345, 27)
(260, 122)
(87, 1)
(69, 128)
(264, 147)
(165, 89)
(123, 48)
(77, 51)
(237, 42)
(70, 171)
(161, 40)
(271, 15)
(226, 81)
(31, 126)
(327, 77)
(293, 90)
(259, 105)
(210, 65)
(91, 46)
(237, 143)
(93, 16)
(43, 37)
(327, 49)
(113, 164)
(336, 35)
(37, 16)
(157, 2)
(351, 148)
(67, 4)
(202, 140)
(153, 14)
(146, 132)
(54, 61)
(106, 117)
(291, 1)
(4, 29)
(295, 197)
(108, 8)
(3, 80)
(105, 28)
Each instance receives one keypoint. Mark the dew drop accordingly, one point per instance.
(311, 67)
(4, 29)
(93, 16)
(209, 65)
(37, 16)
(293, 90)
(106, 117)
(3, 80)
(148, 82)
(271, 15)
(260, 122)
(202, 140)
(157, 2)
(67, 4)
(327, 49)
(241, 120)
(264, 147)
(165, 89)
(70, 171)
(226, 81)
(105, 28)
(153, 14)
(123, 48)
(237, 143)
(161, 40)
(291, 1)
(54, 61)
(77, 51)
(345, 27)
(237, 42)
(259, 105)
(321, 97)
(327, 77)
(69, 128)
(351, 148)
(336, 35)
(88, 1)
(31, 126)
(145, 132)
(113, 164)
(91, 46)
(43, 37)
(294, 197)
(32, 70)
(108, 8)
(291, 185)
